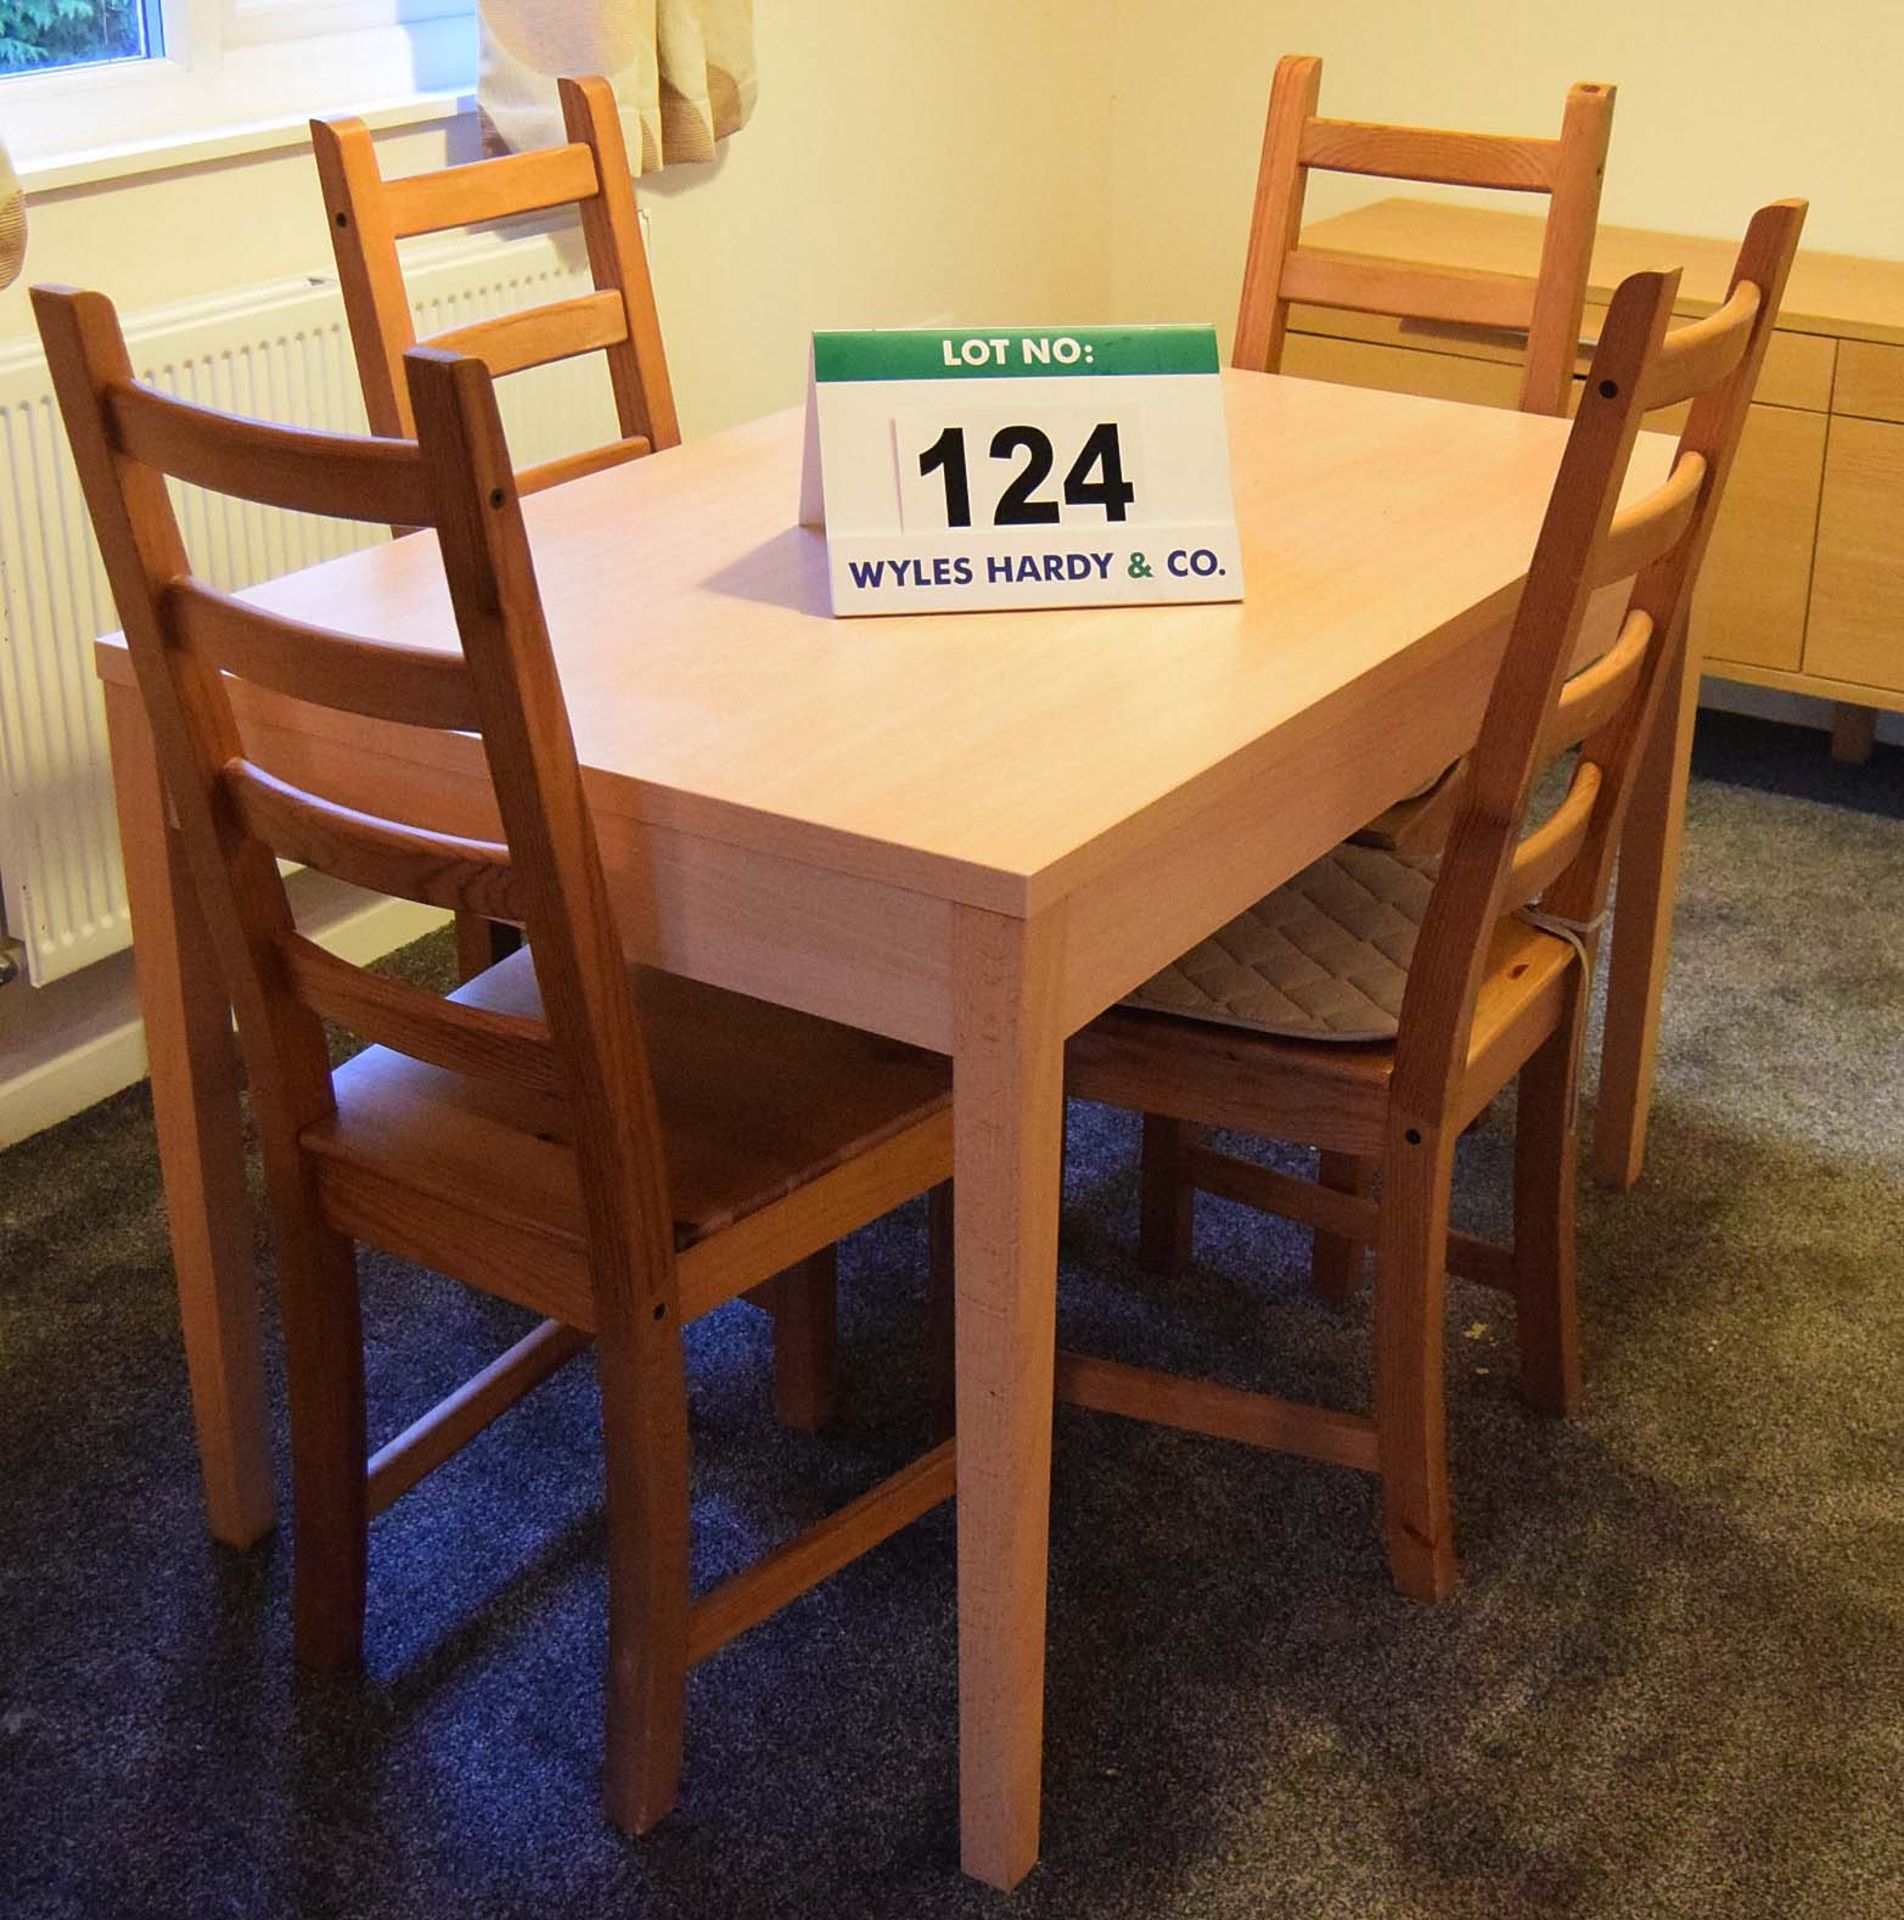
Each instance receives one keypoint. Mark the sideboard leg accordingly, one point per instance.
(1854, 732)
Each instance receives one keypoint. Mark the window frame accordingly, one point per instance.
(228, 65)
(250, 23)
(152, 16)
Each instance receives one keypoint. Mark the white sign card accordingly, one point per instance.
(1018, 467)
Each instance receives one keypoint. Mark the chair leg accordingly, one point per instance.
(940, 1299)
(804, 1304)
(1335, 1263)
(1166, 1199)
(481, 943)
(324, 1367)
(1547, 1317)
(1410, 1398)
(645, 1447)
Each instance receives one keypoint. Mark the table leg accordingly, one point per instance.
(201, 1149)
(1008, 1100)
(1642, 933)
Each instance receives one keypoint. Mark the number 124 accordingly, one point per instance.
(1096, 477)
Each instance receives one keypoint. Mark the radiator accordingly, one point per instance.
(279, 352)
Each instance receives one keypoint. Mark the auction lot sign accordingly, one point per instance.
(1020, 467)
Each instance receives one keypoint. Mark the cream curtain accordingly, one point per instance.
(12, 221)
(683, 70)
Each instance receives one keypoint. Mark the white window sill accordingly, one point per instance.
(203, 101)
(91, 166)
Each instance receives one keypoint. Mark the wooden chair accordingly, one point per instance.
(1545, 309)
(614, 1149)
(1496, 983)
(369, 215)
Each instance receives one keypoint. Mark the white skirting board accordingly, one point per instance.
(66, 1046)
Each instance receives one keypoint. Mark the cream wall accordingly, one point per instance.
(1046, 159)
(1721, 107)
(885, 178)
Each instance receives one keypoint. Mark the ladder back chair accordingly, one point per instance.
(1545, 309)
(612, 1148)
(368, 216)
(1418, 993)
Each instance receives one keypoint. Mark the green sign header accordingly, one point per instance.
(1012, 353)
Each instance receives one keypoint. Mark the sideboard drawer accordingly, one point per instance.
(1857, 590)
(1423, 336)
(1438, 376)
(1797, 370)
(1798, 367)
(1749, 605)
(1870, 381)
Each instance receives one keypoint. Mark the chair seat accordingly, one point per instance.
(1310, 1087)
(755, 1102)
(1420, 822)
(1324, 957)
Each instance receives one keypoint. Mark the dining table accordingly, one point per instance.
(972, 832)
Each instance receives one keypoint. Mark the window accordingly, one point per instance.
(36, 34)
(83, 77)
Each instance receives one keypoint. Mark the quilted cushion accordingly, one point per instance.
(1323, 958)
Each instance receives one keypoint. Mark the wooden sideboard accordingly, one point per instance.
(1803, 588)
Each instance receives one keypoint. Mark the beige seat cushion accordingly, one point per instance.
(1323, 958)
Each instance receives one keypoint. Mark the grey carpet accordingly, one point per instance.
(1669, 1685)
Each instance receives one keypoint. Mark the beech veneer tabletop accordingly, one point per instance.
(988, 758)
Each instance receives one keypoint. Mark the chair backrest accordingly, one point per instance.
(582, 1071)
(369, 215)
(1545, 308)
(1491, 865)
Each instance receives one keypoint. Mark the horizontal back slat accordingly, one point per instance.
(572, 466)
(340, 476)
(1699, 355)
(1456, 294)
(441, 1033)
(1548, 851)
(537, 335)
(1431, 154)
(1598, 691)
(489, 189)
(381, 680)
(411, 863)
(1653, 526)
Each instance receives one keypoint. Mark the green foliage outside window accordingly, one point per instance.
(68, 33)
